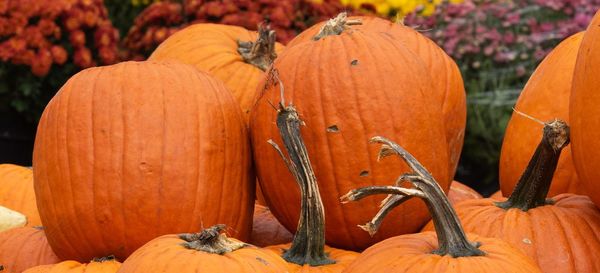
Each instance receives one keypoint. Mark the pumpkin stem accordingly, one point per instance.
(211, 240)
(533, 186)
(308, 245)
(260, 53)
(104, 259)
(336, 26)
(451, 237)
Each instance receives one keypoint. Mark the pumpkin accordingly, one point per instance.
(331, 82)
(208, 251)
(232, 54)
(459, 192)
(307, 253)
(23, 248)
(132, 151)
(100, 265)
(449, 249)
(16, 192)
(545, 96)
(266, 230)
(449, 91)
(584, 112)
(11, 219)
(544, 229)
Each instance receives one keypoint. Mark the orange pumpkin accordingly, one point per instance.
(446, 250)
(208, 251)
(16, 192)
(585, 113)
(128, 152)
(266, 230)
(101, 265)
(545, 96)
(23, 248)
(460, 192)
(449, 91)
(307, 253)
(232, 54)
(331, 82)
(555, 232)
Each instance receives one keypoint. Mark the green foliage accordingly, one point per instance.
(122, 13)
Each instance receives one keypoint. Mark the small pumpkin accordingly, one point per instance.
(25, 247)
(16, 192)
(128, 152)
(545, 96)
(459, 192)
(584, 112)
(307, 253)
(232, 54)
(543, 228)
(266, 230)
(331, 83)
(98, 265)
(448, 91)
(447, 250)
(209, 251)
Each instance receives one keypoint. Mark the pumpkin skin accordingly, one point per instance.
(213, 48)
(545, 233)
(342, 108)
(23, 248)
(110, 266)
(545, 97)
(166, 254)
(585, 113)
(266, 230)
(412, 253)
(449, 90)
(113, 136)
(342, 259)
(460, 192)
(16, 192)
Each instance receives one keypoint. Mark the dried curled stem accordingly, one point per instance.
(308, 245)
(104, 259)
(451, 237)
(260, 53)
(336, 26)
(211, 240)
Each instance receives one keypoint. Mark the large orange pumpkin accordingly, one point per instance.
(347, 89)
(16, 192)
(545, 96)
(447, 250)
(233, 54)
(209, 251)
(558, 233)
(101, 265)
(23, 248)
(584, 111)
(129, 152)
(449, 91)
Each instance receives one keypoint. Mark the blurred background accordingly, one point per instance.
(496, 44)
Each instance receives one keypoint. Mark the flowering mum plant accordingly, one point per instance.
(287, 17)
(43, 43)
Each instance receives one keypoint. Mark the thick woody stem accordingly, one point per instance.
(211, 240)
(260, 53)
(336, 26)
(532, 189)
(451, 237)
(308, 245)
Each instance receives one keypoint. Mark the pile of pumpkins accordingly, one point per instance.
(173, 164)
